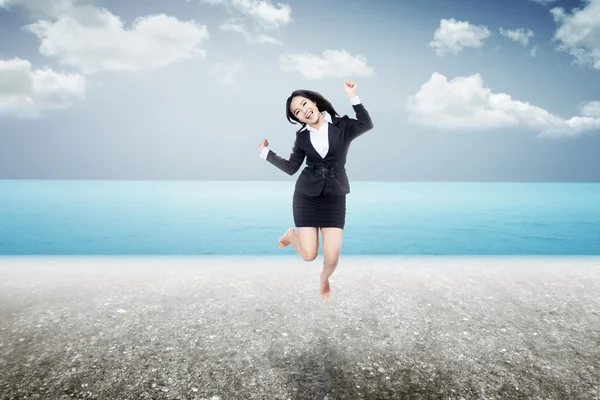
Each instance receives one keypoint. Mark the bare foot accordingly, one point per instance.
(285, 239)
(324, 290)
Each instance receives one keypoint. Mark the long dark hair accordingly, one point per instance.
(322, 105)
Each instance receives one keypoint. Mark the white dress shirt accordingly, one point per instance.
(318, 137)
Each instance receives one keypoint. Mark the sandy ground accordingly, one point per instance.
(256, 328)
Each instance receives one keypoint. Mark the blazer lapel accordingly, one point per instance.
(308, 143)
(334, 134)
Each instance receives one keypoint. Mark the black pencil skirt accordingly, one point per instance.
(324, 211)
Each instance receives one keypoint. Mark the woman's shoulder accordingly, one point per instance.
(339, 121)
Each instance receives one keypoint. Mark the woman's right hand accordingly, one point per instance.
(262, 145)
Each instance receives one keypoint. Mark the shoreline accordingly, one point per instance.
(295, 257)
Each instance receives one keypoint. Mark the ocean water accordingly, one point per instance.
(40, 217)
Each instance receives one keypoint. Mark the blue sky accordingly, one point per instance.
(458, 90)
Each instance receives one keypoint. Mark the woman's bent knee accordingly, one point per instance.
(309, 255)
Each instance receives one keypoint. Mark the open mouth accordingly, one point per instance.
(309, 115)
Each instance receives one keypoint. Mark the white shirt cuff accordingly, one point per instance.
(264, 153)
(355, 100)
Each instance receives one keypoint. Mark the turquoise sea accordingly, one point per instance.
(45, 217)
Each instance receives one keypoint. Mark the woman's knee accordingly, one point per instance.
(332, 245)
(309, 243)
(331, 260)
(309, 255)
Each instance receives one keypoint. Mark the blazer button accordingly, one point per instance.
(322, 176)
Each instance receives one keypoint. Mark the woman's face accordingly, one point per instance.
(305, 110)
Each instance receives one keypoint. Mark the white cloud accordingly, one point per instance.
(333, 63)
(452, 36)
(39, 8)
(533, 51)
(264, 15)
(464, 103)
(233, 25)
(518, 35)
(26, 92)
(544, 2)
(94, 39)
(590, 109)
(263, 12)
(227, 70)
(579, 33)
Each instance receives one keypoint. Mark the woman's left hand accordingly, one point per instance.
(350, 88)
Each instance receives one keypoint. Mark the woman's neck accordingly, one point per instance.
(319, 122)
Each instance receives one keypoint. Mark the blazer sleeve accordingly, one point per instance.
(360, 125)
(292, 165)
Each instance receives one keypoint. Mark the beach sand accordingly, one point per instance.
(256, 328)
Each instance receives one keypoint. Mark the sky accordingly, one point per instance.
(458, 90)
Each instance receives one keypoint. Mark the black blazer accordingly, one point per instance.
(342, 131)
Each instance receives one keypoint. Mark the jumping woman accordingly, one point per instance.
(319, 200)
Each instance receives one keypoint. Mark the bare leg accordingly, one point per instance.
(305, 242)
(332, 245)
